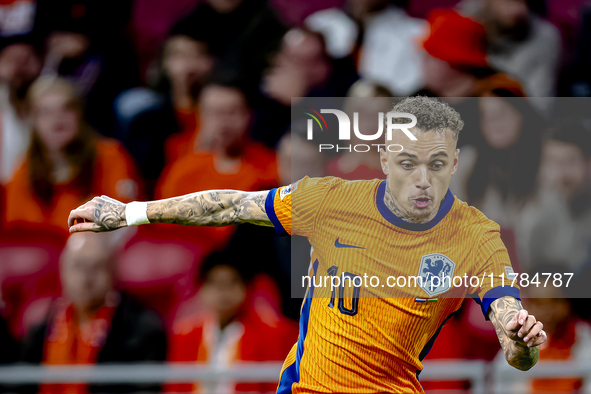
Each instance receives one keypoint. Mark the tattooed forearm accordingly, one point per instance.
(208, 208)
(212, 208)
(259, 200)
(517, 353)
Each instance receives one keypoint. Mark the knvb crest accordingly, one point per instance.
(436, 271)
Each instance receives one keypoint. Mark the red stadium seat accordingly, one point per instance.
(29, 268)
(159, 268)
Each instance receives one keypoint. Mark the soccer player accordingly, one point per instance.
(407, 226)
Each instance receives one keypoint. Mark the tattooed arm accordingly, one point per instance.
(208, 208)
(520, 335)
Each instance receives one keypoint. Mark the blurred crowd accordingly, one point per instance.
(150, 99)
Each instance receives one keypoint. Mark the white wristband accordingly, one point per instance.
(136, 213)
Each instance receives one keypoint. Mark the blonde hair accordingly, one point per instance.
(50, 84)
(80, 151)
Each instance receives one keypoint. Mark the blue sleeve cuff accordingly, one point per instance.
(494, 294)
(270, 209)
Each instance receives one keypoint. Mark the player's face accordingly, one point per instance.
(419, 175)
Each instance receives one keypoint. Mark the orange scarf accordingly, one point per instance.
(68, 342)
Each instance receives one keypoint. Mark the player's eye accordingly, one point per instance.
(437, 166)
(406, 165)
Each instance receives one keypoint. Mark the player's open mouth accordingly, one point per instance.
(422, 202)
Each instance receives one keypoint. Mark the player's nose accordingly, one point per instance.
(422, 181)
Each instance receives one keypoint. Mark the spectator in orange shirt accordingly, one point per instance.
(187, 63)
(227, 327)
(157, 123)
(67, 162)
(94, 322)
(229, 160)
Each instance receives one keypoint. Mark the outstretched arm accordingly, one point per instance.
(520, 335)
(207, 208)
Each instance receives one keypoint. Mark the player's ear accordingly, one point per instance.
(384, 161)
(455, 167)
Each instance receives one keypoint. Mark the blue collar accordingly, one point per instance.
(398, 222)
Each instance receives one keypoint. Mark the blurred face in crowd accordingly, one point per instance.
(87, 270)
(564, 167)
(507, 15)
(224, 116)
(297, 157)
(500, 122)
(56, 118)
(19, 66)
(224, 6)
(67, 45)
(300, 66)
(223, 292)
(186, 61)
(440, 76)
(305, 52)
(420, 174)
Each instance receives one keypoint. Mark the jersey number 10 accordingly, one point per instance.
(349, 278)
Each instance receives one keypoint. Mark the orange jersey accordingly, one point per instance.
(372, 339)
(115, 175)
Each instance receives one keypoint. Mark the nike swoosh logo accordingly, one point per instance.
(340, 245)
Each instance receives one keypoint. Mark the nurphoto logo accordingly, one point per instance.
(345, 129)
